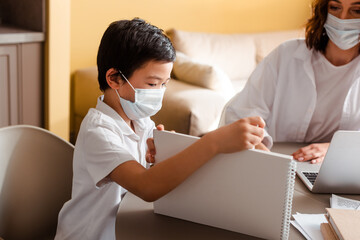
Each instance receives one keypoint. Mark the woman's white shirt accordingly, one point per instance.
(283, 90)
(104, 142)
(332, 85)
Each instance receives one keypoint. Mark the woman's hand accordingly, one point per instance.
(150, 153)
(314, 153)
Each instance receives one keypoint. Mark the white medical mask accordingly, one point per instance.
(344, 33)
(147, 102)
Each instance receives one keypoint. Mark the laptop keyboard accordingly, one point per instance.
(311, 176)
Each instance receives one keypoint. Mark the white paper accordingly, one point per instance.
(343, 203)
(298, 227)
(310, 223)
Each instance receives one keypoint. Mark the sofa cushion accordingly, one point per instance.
(202, 75)
(268, 41)
(190, 109)
(238, 84)
(235, 54)
(85, 82)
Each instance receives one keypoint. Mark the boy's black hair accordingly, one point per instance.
(128, 44)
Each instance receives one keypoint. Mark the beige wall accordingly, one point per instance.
(89, 19)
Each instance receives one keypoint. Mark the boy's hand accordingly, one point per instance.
(240, 135)
(261, 146)
(150, 153)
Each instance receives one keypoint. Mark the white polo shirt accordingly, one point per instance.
(104, 142)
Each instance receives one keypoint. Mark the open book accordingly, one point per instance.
(248, 192)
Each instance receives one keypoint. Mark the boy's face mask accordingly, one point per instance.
(344, 33)
(147, 102)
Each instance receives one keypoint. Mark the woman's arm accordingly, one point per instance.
(151, 184)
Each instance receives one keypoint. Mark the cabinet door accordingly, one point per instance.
(9, 105)
(31, 83)
(21, 84)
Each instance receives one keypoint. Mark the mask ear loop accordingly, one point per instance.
(117, 94)
(127, 80)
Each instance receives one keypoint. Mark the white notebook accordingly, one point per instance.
(249, 192)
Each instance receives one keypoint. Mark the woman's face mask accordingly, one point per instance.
(344, 33)
(147, 102)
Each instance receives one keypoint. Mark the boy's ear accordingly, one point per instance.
(112, 78)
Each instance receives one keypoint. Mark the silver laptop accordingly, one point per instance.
(340, 170)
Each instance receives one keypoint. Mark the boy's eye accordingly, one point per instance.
(155, 84)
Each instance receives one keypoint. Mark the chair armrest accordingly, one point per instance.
(190, 109)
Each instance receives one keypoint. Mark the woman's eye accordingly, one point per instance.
(356, 13)
(164, 84)
(333, 8)
(152, 84)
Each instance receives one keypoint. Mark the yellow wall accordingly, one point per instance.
(57, 68)
(90, 18)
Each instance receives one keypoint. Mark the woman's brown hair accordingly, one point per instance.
(315, 33)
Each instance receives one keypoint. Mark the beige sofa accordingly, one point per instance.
(209, 70)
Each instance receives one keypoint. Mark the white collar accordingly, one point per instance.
(109, 111)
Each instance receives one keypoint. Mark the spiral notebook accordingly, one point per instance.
(249, 192)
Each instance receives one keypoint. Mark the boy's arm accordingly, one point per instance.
(151, 184)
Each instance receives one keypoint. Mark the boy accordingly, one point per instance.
(134, 64)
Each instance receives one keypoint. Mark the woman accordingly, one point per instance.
(305, 90)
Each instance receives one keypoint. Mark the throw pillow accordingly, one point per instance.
(235, 54)
(203, 75)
